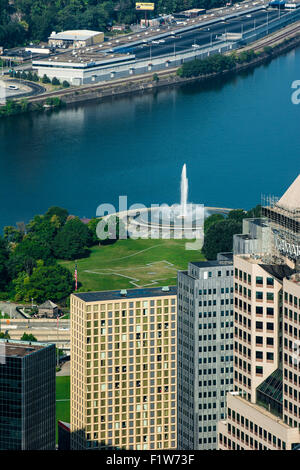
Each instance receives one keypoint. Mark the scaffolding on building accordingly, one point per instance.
(285, 228)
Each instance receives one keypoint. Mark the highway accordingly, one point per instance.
(203, 36)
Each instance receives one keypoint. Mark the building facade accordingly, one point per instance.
(205, 350)
(263, 411)
(27, 395)
(75, 38)
(124, 369)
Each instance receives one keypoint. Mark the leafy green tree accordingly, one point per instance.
(65, 84)
(34, 247)
(92, 225)
(219, 237)
(46, 79)
(61, 213)
(18, 263)
(4, 335)
(112, 230)
(254, 213)
(4, 277)
(55, 81)
(12, 234)
(212, 219)
(28, 337)
(72, 240)
(237, 214)
(46, 282)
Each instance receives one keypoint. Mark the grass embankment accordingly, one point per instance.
(133, 263)
(62, 400)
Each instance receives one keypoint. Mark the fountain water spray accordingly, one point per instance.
(184, 192)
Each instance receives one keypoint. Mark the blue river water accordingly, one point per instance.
(239, 138)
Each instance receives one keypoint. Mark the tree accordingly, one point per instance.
(72, 240)
(255, 212)
(4, 277)
(18, 263)
(46, 282)
(46, 79)
(61, 213)
(212, 219)
(219, 237)
(55, 81)
(112, 230)
(237, 214)
(4, 335)
(65, 84)
(92, 225)
(35, 247)
(28, 337)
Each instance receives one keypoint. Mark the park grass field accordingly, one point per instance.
(62, 400)
(133, 263)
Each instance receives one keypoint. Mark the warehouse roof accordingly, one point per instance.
(74, 35)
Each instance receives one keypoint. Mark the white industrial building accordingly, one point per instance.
(75, 38)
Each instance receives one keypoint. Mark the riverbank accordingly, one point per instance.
(263, 51)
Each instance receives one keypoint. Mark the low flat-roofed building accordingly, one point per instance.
(251, 427)
(75, 38)
(82, 66)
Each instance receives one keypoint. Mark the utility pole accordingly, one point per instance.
(57, 355)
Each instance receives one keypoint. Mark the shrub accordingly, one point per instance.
(46, 79)
(55, 81)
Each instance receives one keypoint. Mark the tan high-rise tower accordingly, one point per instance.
(123, 369)
(263, 412)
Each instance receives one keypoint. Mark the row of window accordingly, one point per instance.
(209, 303)
(222, 290)
(253, 428)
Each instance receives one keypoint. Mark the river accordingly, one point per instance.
(239, 138)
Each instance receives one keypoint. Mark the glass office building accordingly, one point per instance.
(27, 395)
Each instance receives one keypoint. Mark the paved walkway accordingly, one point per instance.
(65, 370)
(9, 308)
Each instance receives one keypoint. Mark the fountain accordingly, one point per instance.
(183, 220)
(184, 191)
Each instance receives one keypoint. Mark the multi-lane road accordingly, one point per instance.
(203, 35)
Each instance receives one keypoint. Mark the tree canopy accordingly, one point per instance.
(23, 20)
(72, 240)
(219, 237)
(46, 282)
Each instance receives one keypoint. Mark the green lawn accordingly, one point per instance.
(62, 393)
(133, 263)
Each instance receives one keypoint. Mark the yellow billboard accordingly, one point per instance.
(144, 6)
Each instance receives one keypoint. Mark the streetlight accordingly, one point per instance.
(9, 309)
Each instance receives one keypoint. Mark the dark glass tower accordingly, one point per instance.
(27, 395)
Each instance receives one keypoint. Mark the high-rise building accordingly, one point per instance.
(205, 350)
(27, 395)
(263, 410)
(124, 369)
